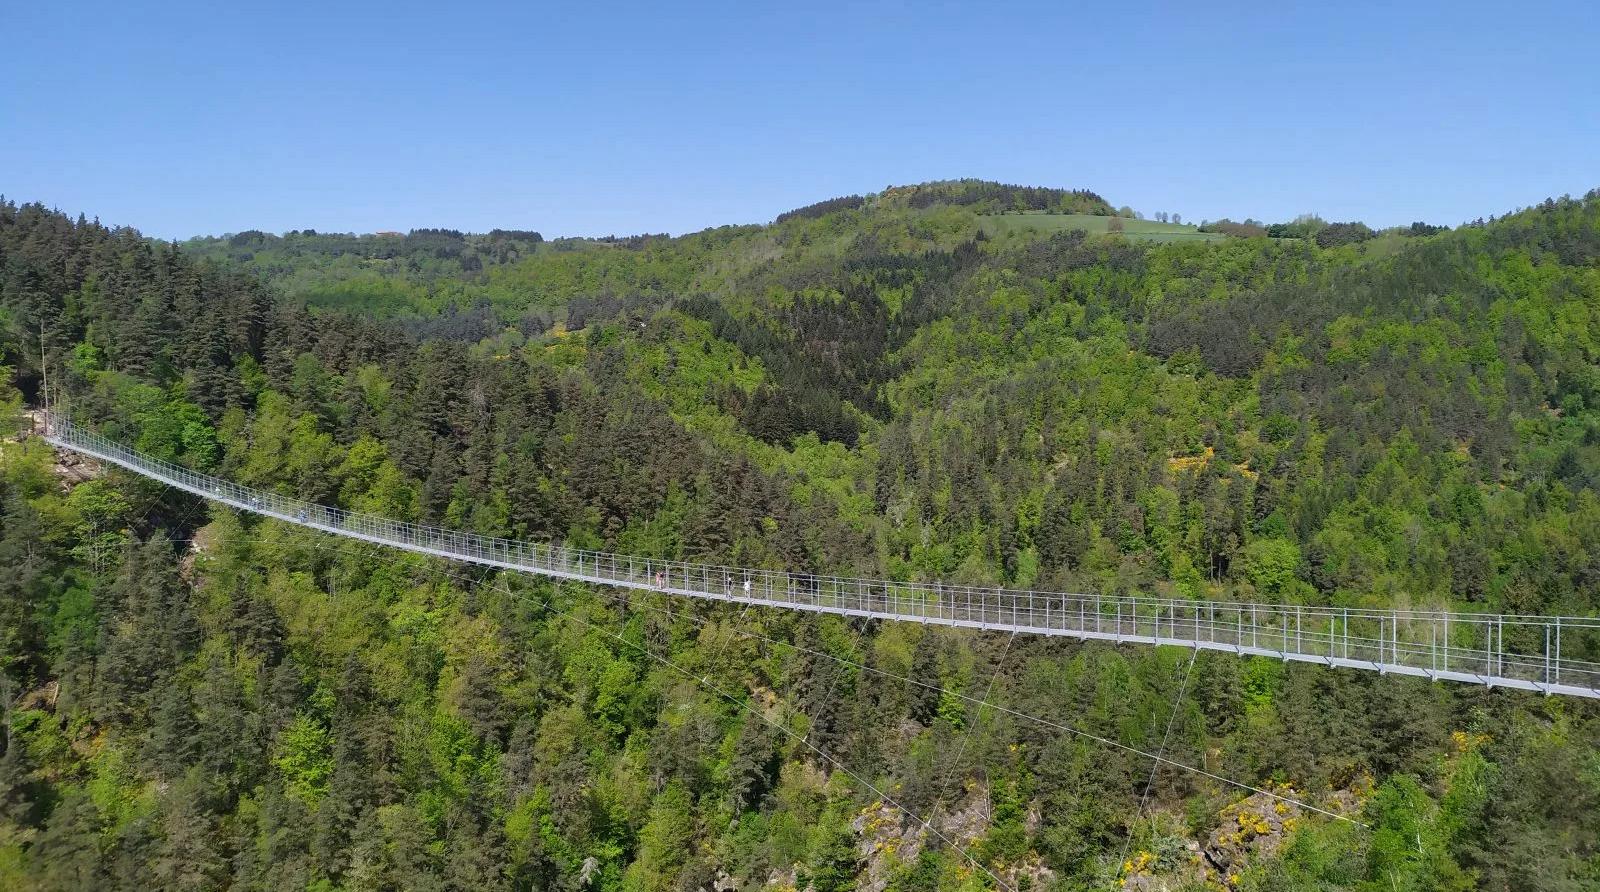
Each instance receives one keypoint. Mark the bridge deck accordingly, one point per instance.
(1447, 645)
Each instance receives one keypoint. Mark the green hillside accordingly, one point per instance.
(933, 382)
(1132, 229)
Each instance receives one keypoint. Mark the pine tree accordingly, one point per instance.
(66, 854)
(476, 853)
(754, 766)
(133, 852)
(284, 693)
(441, 481)
(925, 669)
(171, 745)
(834, 863)
(19, 805)
(341, 808)
(224, 740)
(189, 857)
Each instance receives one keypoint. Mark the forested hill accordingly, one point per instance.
(959, 381)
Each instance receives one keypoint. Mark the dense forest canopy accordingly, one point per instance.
(1305, 412)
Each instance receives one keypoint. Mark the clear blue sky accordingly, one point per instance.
(588, 119)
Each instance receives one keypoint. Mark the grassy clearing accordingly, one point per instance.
(1141, 230)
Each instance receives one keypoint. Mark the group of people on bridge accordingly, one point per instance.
(727, 583)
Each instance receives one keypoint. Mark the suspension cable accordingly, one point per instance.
(1155, 766)
(966, 733)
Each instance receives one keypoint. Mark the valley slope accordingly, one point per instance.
(899, 384)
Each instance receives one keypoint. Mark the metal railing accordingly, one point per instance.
(1514, 651)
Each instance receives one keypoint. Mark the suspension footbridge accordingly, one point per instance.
(1498, 650)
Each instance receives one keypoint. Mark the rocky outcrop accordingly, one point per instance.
(1249, 831)
(889, 838)
(70, 467)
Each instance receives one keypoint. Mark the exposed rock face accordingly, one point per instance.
(891, 839)
(1251, 830)
(782, 880)
(74, 469)
(1168, 883)
(1255, 828)
(43, 697)
(1183, 870)
(70, 467)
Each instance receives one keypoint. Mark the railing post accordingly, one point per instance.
(1547, 658)
(1558, 650)
(1500, 646)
